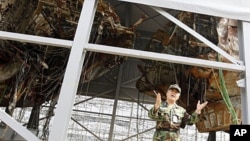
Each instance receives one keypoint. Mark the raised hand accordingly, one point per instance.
(158, 100)
(199, 106)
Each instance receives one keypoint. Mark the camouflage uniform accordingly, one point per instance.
(169, 120)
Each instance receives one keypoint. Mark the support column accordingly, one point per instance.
(244, 43)
(118, 86)
(73, 72)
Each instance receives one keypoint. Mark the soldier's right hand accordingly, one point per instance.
(158, 101)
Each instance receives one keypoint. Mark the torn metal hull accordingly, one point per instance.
(32, 74)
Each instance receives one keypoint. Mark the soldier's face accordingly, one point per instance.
(173, 94)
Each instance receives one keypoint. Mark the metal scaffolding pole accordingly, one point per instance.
(244, 35)
(118, 85)
(73, 72)
(22, 131)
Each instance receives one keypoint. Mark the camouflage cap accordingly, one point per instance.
(175, 86)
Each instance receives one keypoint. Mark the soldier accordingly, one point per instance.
(170, 117)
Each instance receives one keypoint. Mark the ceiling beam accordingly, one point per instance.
(121, 51)
(197, 35)
(239, 9)
(163, 57)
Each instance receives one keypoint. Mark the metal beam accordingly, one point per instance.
(136, 53)
(96, 96)
(73, 72)
(86, 129)
(35, 39)
(134, 100)
(22, 131)
(118, 86)
(197, 35)
(124, 52)
(164, 57)
(239, 9)
(244, 35)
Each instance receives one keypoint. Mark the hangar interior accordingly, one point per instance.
(112, 54)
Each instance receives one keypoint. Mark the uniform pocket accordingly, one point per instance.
(177, 117)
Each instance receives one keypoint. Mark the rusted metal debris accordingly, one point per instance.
(32, 74)
(197, 83)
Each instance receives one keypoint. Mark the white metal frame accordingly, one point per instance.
(20, 129)
(80, 45)
(73, 72)
(244, 35)
(221, 8)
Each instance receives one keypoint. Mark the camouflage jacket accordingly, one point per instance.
(174, 117)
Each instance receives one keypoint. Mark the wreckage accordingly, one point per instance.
(31, 74)
(205, 84)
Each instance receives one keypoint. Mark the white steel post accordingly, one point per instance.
(21, 130)
(73, 72)
(244, 35)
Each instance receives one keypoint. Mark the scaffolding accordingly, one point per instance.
(79, 46)
(91, 122)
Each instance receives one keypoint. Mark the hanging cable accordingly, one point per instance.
(225, 95)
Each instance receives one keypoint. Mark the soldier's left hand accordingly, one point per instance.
(199, 106)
